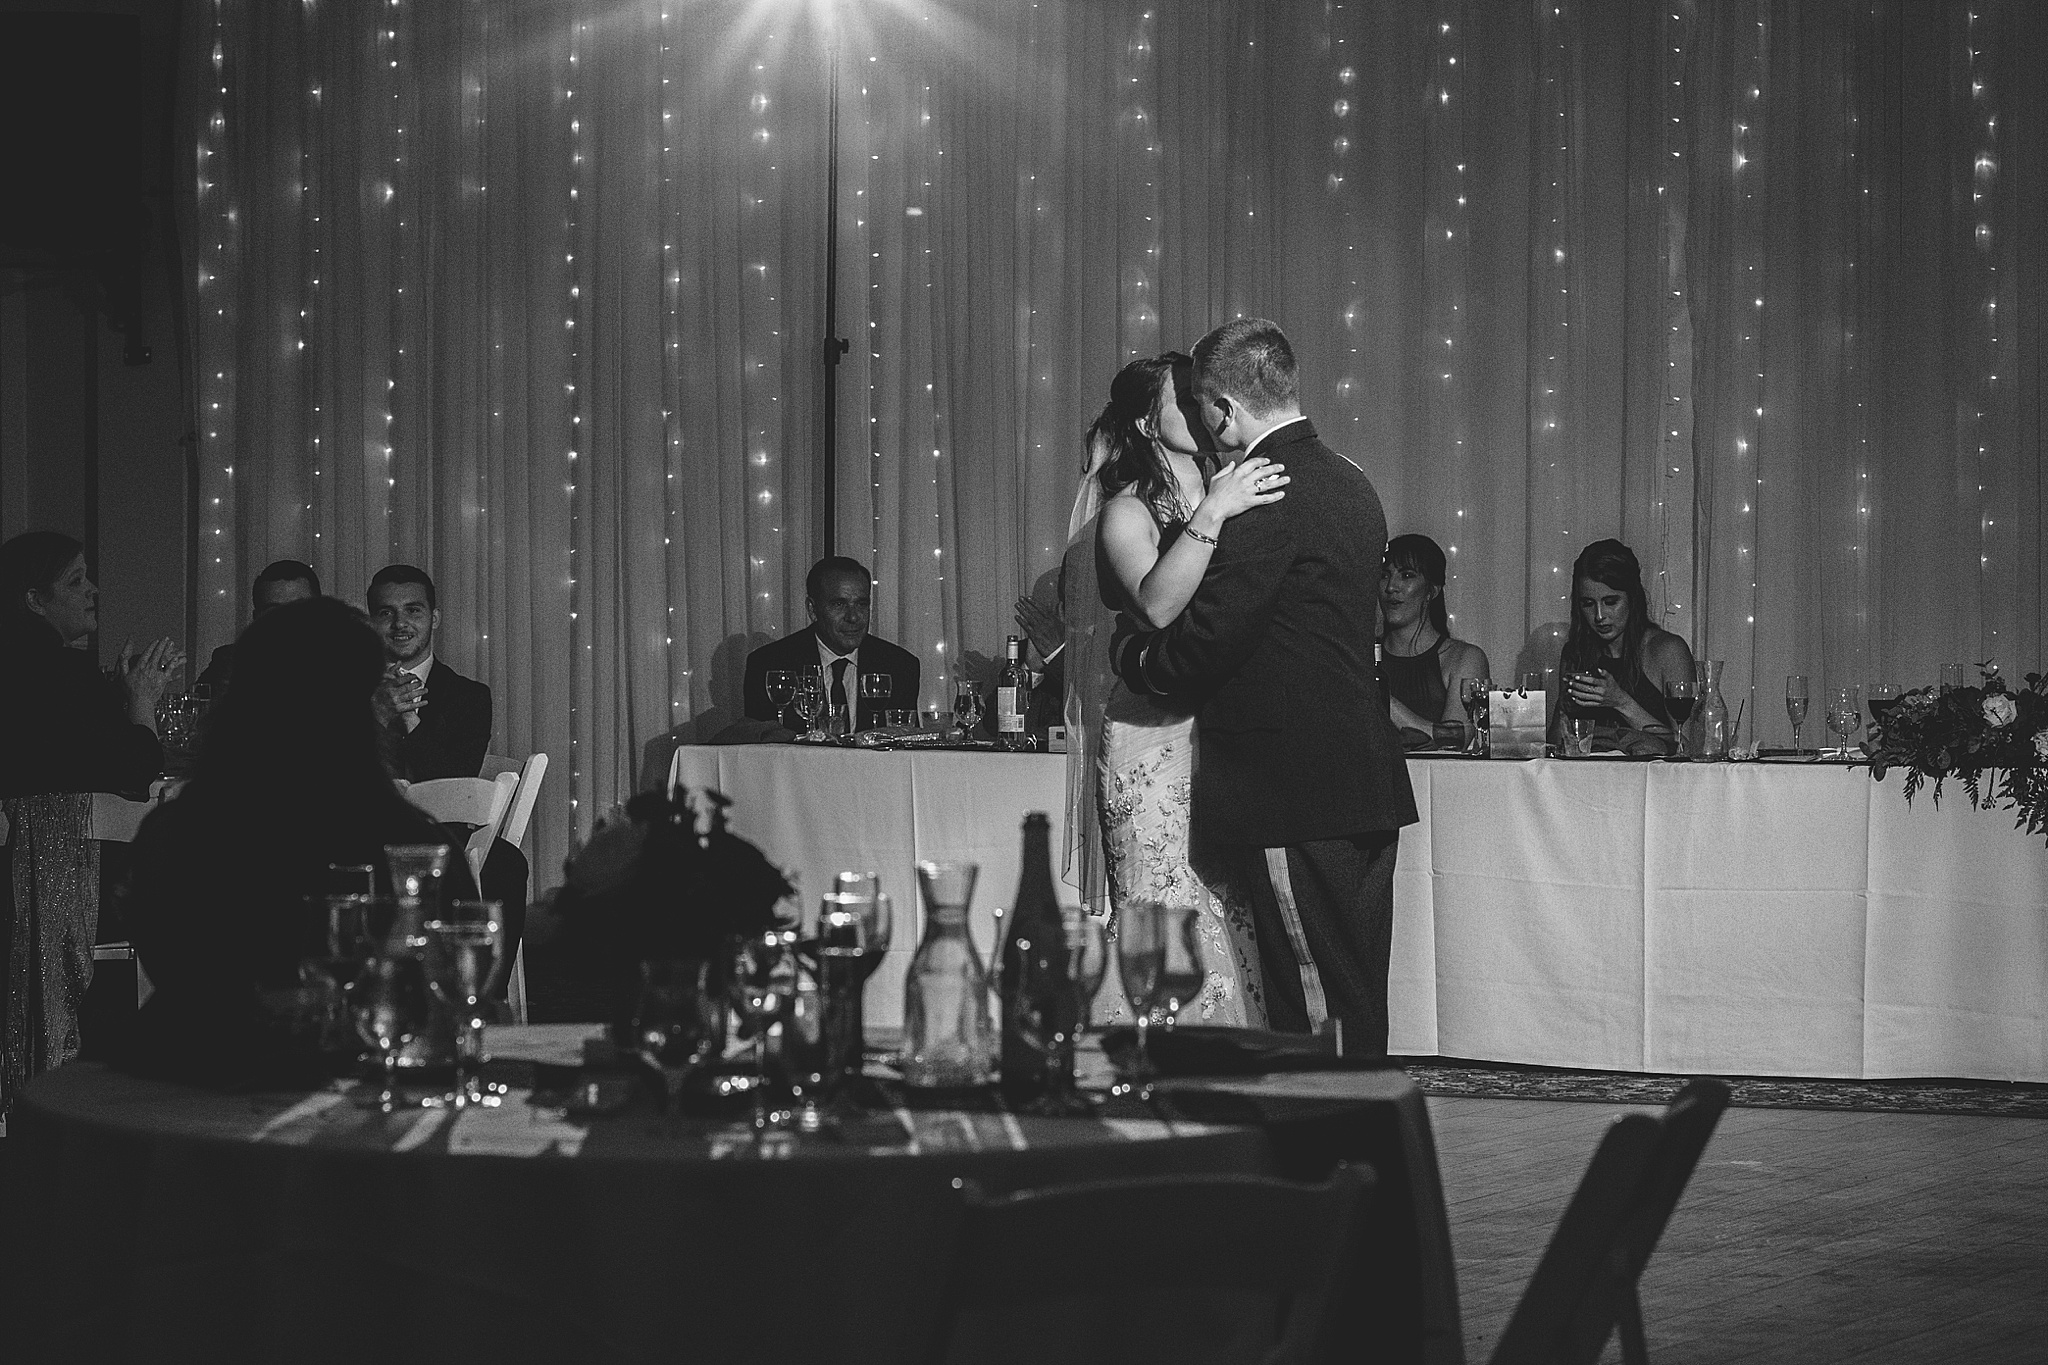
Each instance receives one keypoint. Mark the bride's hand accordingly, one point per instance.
(1245, 485)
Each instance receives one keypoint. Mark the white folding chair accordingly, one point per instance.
(478, 801)
(529, 771)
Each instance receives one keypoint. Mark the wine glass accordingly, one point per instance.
(1087, 960)
(1951, 678)
(1880, 697)
(1473, 693)
(1795, 705)
(1141, 963)
(876, 687)
(392, 1001)
(781, 690)
(471, 937)
(763, 983)
(809, 703)
(1845, 717)
(966, 706)
(1679, 696)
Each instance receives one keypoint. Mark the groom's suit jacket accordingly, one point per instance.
(1276, 650)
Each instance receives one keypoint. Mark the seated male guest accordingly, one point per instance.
(436, 722)
(285, 581)
(837, 594)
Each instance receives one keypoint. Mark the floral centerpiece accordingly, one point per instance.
(669, 880)
(1966, 733)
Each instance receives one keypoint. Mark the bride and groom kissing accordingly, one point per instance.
(1232, 730)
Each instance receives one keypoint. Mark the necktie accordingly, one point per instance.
(839, 689)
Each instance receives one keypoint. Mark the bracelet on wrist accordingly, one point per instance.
(1189, 529)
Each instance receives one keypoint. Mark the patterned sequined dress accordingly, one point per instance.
(1145, 771)
(55, 884)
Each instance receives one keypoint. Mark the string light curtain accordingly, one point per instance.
(532, 294)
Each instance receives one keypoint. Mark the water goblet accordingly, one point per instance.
(1141, 964)
(876, 687)
(763, 984)
(1880, 697)
(809, 704)
(392, 1002)
(781, 690)
(1795, 706)
(1844, 716)
(966, 706)
(1679, 696)
(471, 938)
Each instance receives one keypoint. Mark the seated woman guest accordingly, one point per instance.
(1615, 663)
(289, 779)
(1420, 662)
(65, 732)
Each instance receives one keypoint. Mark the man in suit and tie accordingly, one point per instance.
(287, 580)
(837, 593)
(437, 723)
(1300, 784)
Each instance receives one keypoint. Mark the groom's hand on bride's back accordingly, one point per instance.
(1127, 652)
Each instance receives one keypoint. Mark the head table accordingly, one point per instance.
(151, 1220)
(1757, 918)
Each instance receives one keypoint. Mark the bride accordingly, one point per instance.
(1144, 525)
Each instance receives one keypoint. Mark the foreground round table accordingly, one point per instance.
(155, 1219)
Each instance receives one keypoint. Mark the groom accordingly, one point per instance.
(1300, 784)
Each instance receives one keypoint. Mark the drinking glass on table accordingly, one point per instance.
(471, 941)
(1158, 953)
(1679, 696)
(1951, 677)
(1474, 695)
(1845, 717)
(1880, 697)
(966, 706)
(1795, 706)
(1578, 734)
(809, 704)
(1087, 960)
(763, 984)
(781, 691)
(875, 688)
(392, 1002)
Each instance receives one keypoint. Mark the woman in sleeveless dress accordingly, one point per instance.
(1143, 553)
(1615, 662)
(1420, 661)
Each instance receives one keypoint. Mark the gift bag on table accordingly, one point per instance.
(1519, 720)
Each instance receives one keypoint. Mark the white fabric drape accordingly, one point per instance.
(531, 292)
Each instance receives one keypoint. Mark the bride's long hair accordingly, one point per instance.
(1118, 447)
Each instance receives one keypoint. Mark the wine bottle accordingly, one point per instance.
(1013, 697)
(1038, 998)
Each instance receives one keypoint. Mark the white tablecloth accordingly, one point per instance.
(1745, 919)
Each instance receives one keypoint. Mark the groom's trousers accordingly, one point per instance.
(1324, 913)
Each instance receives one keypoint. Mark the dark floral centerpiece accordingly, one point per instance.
(1992, 739)
(656, 901)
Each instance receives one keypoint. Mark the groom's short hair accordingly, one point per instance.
(1250, 360)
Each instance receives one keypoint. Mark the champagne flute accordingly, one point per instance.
(1679, 696)
(763, 984)
(1141, 962)
(1087, 960)
(391, 1001)
(781, 690)
(966, 706)
(1795, 706)
(1845, 717)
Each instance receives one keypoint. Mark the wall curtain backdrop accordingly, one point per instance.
(531, 292)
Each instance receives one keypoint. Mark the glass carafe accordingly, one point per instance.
(1712, 740)
(948, 1039)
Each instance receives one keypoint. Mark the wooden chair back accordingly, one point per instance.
(1120, 1244)
(1584, 1288)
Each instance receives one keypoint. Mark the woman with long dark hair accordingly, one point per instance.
(65, 732)
(1161, 499)
(1615, 662)
(289, 779)
(1420, 661)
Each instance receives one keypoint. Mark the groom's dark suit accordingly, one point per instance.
(1300, 783)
